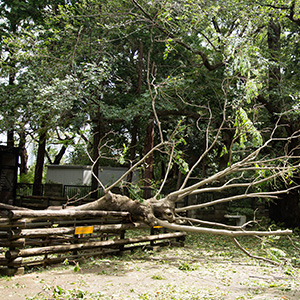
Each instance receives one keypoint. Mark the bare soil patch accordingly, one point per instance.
(172, 273)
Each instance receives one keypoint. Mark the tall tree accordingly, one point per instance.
(122, 63)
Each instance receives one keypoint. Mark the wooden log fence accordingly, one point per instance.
(43, 237)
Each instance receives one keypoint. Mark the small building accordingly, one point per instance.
(82, 175)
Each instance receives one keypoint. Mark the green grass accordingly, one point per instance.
(278, 248)
(58, 293)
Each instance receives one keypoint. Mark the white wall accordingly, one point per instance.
(81, 175)
(65, 174)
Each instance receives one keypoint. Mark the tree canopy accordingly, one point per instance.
(206, 83)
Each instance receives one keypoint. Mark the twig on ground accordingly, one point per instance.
(254, 256)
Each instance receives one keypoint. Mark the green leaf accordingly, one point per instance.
(77, 267)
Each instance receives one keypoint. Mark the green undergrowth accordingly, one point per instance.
(59, 293)
(285, 249)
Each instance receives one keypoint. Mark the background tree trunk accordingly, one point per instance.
(60, 155)
(23, 155)
(10, 138)
(38, 174)
(285, 209)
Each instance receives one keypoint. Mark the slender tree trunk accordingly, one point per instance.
(10, 138)
(227, 136)
(38, 174)
(275, 210)
(140, 68)
(23, 155)
(274, 32)
(10, 133)
(148, 173)
(286, 209)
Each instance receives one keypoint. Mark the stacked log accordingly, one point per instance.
(43, 237)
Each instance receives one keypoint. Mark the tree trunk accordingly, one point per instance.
(285, 209)
(135, 122)
(147, 211)
(38, 174)
(10, 138)
(60, 155)
(140, 69)
(10, 133)
(11, 82)
(24, 155)
(274, 31)
(227, 137)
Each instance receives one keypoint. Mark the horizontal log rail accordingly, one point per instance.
(43, 222)
(12, 254)
(38, 232)
(20, 262)
(44, 214)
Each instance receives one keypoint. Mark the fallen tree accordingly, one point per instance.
(244, 175)
(252, 172)
(249, 176)
(247, 172)
(153, 211)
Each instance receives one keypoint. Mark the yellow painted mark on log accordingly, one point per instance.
(157, 226)
(84, 230)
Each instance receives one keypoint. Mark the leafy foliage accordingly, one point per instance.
(72, 70)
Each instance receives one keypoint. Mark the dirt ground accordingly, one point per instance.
(176, 273)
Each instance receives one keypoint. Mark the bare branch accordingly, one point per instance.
(167, 172)
(234, 185)
(222, 231)
(236, 197)
(158, 146)
(254, 256)
(236, 167)
(99, 147)
(150, 85)
(201, 222)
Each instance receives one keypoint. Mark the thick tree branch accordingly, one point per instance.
(291, 16)
(222, 231)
